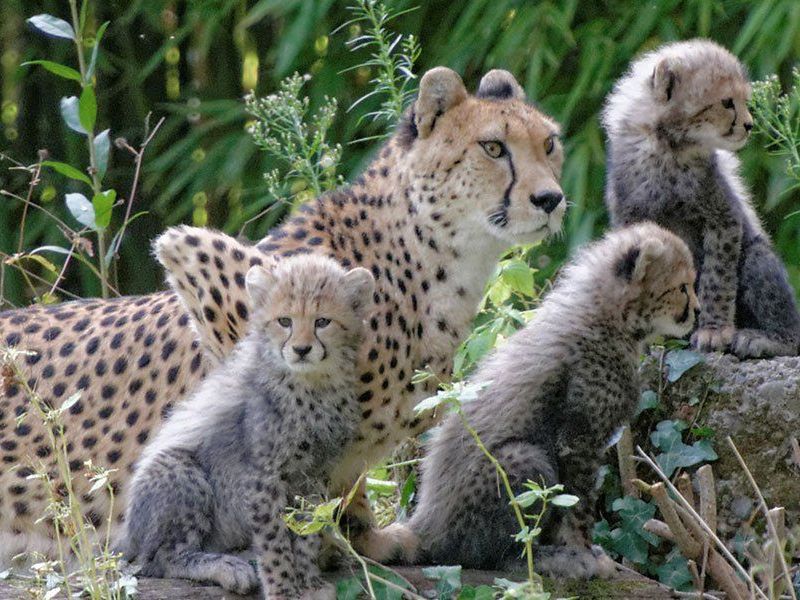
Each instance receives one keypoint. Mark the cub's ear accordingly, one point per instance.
(359, 284)
(665, 77)
(259, 282)
(439, 90)
(498, 84)
(632, 266)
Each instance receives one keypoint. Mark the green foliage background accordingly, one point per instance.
(193, 62)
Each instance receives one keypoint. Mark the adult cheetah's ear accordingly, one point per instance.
(663, 80)
(499, 84)
(632, 266)
(259, 282)
(359, 284)
(439, 90)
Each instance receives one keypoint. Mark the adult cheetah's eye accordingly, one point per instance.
(550, 144)
(285, 322)
(727, 103)
(494, 149)
(321, 322)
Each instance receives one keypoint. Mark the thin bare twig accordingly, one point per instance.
(770, 524)
(702, 524)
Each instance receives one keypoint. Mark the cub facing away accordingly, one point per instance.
(555, 393)
(263, 427)
(673, 122)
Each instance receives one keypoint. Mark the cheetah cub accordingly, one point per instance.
(673, 123)
(553, 396)
(265, 426)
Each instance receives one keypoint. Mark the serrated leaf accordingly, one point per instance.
(52, 26)
(564, 500)
(93, 61)
(519, 276)
(87, 108)
(69, 112)
(679, 361)
(80, 208)
(103, 204)
(56, 68)
(102, 147)
(67, 170)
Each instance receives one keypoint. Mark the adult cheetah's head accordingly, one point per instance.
(490, 160)
(309, 313)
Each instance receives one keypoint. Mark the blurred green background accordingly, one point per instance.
(193, 61)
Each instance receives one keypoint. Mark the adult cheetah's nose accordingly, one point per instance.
(301, 351)
(547, 201)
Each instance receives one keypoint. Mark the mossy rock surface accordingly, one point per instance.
(757, 403)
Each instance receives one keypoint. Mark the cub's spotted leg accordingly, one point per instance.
(170, 517)
(717, 284)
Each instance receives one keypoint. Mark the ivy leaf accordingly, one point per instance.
(103, 203)
(56, 68)
(674, 453)
(634, 513)
(349, 589)
(52, 26)
(629, 544)
(80, 208)
(102, 146)
(482, 592)
(647, 401)
(448, 579)
(87, 108)
(69, 112)
(675, 571)
(67, 170)
(679, 361)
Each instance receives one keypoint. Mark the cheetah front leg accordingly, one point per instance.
(287, 563)
(717, 283)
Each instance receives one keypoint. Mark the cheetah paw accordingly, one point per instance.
(574, 563)
(713, 339)
(324, 592)
(234, 575)
(753, 343)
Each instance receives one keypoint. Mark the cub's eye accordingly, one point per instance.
(550, 144)
(285, 322)
(494, 149)
(320, 323)
(728, 103)
(684, 289)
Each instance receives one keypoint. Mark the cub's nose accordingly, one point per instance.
(748, 126)
(547, 201)
(301, 351)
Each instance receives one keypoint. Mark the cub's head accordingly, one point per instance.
(654, 271)
(488, 163)
(639, 278)
(695, 92)
(311, 312)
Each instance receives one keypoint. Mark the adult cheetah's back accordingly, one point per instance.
(129, 358)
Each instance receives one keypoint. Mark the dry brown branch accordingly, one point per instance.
(627, 466)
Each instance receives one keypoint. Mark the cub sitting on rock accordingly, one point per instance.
(553, 396)
(265, 426)
(673, 124)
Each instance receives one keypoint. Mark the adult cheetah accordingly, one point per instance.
(461, 180)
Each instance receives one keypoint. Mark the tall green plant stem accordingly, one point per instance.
(532, 576)
(77, 25)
